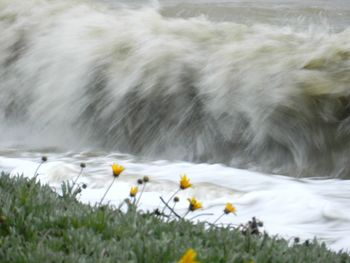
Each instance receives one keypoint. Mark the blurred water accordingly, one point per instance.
(334, 15)
(274, 98)
(260, 85)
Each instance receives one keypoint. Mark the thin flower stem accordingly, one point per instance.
(103, 197)
(171, 197)
(186, 213)
(37, 169)
(176, 214)
(76, 179)
(218, 218)
(142, 190)
(36, 174)
(122, 203)
(173, 209)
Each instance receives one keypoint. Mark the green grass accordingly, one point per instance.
(38, 226)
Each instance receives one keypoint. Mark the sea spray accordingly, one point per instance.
(265, 97)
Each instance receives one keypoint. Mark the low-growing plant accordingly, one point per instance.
(36, 225)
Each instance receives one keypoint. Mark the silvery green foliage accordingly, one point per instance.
(69, 189)
(36, 225)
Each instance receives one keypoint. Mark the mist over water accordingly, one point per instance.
(334, 15)
(261, 96)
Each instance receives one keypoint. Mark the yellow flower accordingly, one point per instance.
(229, 208)
(194, 204)
(189, 257)
(133, 191)
(117, 169)
(185, 182)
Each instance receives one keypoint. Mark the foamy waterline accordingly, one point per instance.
(290, 208)
(274, 98)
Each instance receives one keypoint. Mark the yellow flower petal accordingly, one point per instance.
(194, 204)
(229, 208)
(133, 191)
(189, 257)
(185, 182)
(117, 169)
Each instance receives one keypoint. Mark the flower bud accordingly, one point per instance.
(133, 191)
(146, 179)
(140, 181)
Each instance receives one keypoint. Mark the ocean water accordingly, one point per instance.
(250, 99)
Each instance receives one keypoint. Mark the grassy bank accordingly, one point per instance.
(38, 226)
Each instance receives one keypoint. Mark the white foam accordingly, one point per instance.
(288, 207)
